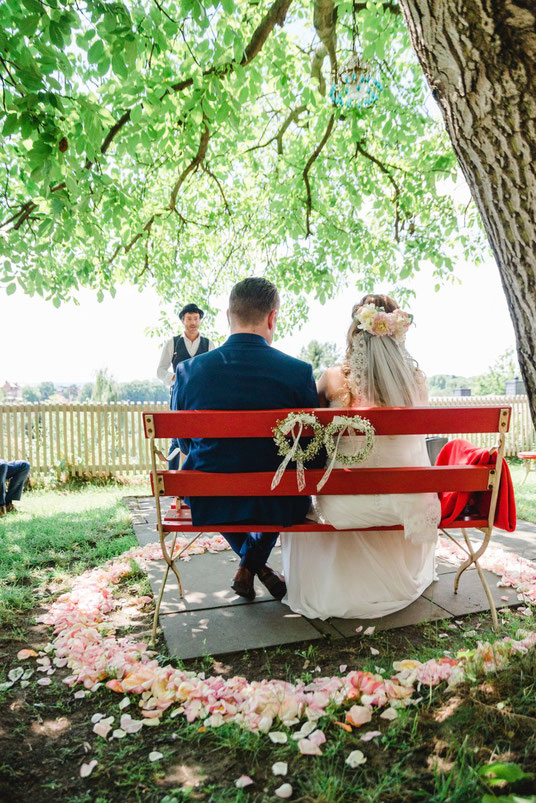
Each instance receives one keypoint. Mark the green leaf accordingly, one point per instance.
(56, 35)
(28, 25)
(10, 289)
(33, 5)
(11, 125)
(136, 113)
(228, 6)
(96, 52)
(498, 772)
(118, 65)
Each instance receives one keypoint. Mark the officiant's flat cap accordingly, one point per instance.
(190, 308)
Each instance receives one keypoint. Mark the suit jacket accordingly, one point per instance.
(245, 373)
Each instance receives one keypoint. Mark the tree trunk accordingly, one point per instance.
(479, 57)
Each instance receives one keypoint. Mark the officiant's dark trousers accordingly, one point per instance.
(253, 548)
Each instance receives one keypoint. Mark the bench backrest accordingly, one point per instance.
(354, 480)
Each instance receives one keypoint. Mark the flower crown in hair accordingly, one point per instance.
(376, 321)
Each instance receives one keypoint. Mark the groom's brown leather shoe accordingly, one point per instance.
(243, 583)
(273, 581)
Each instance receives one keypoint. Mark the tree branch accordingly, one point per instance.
(219, 185)
(360, 149)
(312, 159)
(292, 117)
(324, 20)
(194, 164)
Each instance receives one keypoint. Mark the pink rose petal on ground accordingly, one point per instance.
(22, 655)
(343, 668)
(284, 791)
(359, 715)
(130, 725)
(370, 735)
(505, 599)
(44, 682)
(103, 727)
(308, 748)
(87, 769)
(390, 713)
(369, 631)
(359, 629)
(243, 781)
(318, 738)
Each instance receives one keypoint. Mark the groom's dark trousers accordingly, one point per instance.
(245, 373)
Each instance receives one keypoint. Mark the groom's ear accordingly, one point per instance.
(272, 319)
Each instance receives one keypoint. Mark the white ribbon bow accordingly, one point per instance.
(300, 473)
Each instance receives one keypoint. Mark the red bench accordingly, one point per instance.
(358, 480)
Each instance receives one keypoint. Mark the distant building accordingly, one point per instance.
(515, 387)
(12, 392)
(462, 391)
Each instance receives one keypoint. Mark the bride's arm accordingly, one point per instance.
(322, 389)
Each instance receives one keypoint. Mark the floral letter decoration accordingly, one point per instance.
(293, 451)
(340, 424)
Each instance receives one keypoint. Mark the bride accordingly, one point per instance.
(370, 574)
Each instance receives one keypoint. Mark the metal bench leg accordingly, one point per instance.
(161, 592)
(474, 559)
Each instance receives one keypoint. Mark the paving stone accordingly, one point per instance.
(422, 610)
(206, 580)
(233, 629)
(471, 596)
(326, 628)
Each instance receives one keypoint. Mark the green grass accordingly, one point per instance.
(432, 753)
(56, 535)
(525, 494)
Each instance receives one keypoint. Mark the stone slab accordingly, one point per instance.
(206, 581)
(422, 610)
(234, 628)
(471, 597)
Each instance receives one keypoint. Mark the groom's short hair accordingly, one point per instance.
(252, 299)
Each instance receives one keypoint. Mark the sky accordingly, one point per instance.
(460, 330)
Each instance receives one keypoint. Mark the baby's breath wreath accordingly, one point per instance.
(292, 450)
(332, 435)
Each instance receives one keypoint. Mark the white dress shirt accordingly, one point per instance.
(192, 346)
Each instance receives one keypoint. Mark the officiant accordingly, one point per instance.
(179, 348)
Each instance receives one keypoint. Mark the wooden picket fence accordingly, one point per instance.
(99, 439)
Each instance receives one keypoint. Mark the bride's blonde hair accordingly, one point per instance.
(386, 375)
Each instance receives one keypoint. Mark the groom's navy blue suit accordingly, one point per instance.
(243, 374)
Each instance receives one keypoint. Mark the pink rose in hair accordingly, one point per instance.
(382, 325)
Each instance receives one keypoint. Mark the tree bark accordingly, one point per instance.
(479, 57)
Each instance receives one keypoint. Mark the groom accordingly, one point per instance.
(245, 374)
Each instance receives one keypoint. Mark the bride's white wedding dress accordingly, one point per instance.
(372, 574)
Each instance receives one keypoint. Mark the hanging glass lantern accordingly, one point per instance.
(355, 87)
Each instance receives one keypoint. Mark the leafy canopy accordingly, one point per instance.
(185, 144)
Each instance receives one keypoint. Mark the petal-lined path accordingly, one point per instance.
(211, 619)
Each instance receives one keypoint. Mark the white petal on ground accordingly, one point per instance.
(278, 737)
(284, 791)
(243, 781)
(87, 769)
(389, 713)
(280, 768)
(355, 758)
(369, 631)
(370, 735)
(155, 756)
